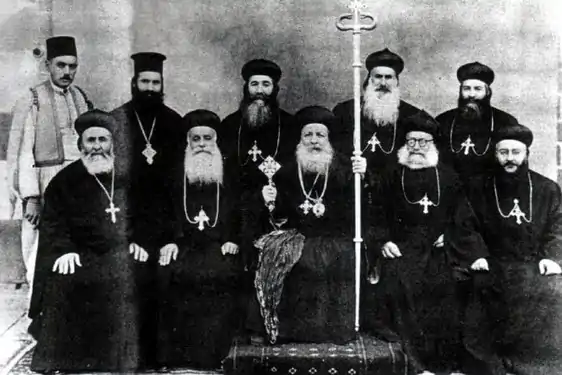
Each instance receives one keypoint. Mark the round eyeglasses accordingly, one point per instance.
(411, 142)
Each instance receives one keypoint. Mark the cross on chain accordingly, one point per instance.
(254, 151)
(516, 211)
(149, 153)
(374, 141)
(425, 202)
(306, 206)
(112, 210)
(200, 219)
(467, 145)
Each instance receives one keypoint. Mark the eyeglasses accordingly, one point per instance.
(411, 142)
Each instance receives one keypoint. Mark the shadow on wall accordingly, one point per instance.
(5, 124)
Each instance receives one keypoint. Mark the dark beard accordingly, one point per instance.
(473, 109)
(256, 115)
(146, 101)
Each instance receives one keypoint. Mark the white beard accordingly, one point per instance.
(258, 113)
(315, 161)
(98, 163)
(416, 161)
(381, 107)
(203, 167)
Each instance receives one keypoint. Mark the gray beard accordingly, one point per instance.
(314, 162)
(203, 167)
(430, 159)
(381, 107)
(257, 113)
(98, 165)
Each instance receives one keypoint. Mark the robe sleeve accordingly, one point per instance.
(552, 235)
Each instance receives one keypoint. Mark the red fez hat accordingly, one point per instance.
(516, 132)
(385, 57)
(148, 61)
(200, 117)
(476, 70)
(94, 118)
(61, 46)
(421, 121)
(261, 67)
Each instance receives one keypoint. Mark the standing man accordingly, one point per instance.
(466, 131)
(422, 229)
(149, 140)
(201, 265)
(514, 316)
(382, 112)
(83, 303)
(43, 139)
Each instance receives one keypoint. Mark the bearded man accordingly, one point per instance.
(200, 265)
(514, 319)
(466, 131)
(82, 304)
(305, 276)
(422, 228)
(382, 112)
(148, 141)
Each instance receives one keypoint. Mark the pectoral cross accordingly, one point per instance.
(112, 210)
(516, 211)
(306, 206)
(254, 151)
(149, 153)
(200, 219)
(467, 145)
(374, 141)
(425, 202)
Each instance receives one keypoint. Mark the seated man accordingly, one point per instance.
(422, 227)
(201, 268)
(305, 275)
(82, 304)
(513, 316)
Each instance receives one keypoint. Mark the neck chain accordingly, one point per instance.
(374, 142)
(148, 151)
(258, 151)
(201, 217)
(425, 202)
(467, 144)
(112, 209)
(318, 208)
(516, 211)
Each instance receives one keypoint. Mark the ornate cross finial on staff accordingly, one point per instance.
(269, 167)
(357, 16)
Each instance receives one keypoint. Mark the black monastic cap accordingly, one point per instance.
(61, 46)
(95, 118)
(261, 67)
(148, 61)
(385, 57)
(200, 117)
(476, 70)
(516, 132)
(315, 115)
(423, 122)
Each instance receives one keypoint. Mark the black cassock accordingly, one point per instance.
(514, 311)
(415, 296)
(199, 304)
(317, 302)
(278, 139)
(390, 137)
(87, 320)
(147, 192)
(455, 131)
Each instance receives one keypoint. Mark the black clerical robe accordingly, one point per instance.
(199, 291)
(147, 193)
(514, 312)
(86, 321)
(469, 161)
(391, 138)
(317, 301)
(415, 296)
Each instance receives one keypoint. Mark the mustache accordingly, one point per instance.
(66, 76)
(259, 96)
(382, 88)
(202, 151)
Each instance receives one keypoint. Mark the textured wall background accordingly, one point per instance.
(207, 42)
